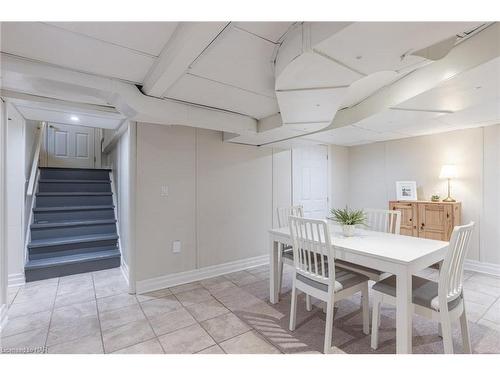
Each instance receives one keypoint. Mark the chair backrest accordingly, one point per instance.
(312, 249)
(388, 221)
(452, 270)
(285, 212)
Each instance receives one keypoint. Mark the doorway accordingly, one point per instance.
(310, 180)
(70, 146)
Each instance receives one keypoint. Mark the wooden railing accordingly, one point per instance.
(36, 157)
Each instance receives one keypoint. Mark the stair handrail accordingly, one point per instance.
(36, 158)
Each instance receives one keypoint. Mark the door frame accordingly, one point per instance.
(3, 219)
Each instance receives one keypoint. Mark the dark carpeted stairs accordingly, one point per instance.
(74, 228)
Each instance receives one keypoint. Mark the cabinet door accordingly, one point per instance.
(408, 217)
(434, 221)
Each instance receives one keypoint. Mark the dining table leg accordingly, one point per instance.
(274, 273)
(404, 312)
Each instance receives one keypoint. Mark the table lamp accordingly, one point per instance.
(448, 171)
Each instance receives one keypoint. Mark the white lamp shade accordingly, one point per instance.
(448, 171)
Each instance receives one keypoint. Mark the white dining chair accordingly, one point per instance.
(285, 255)
(441, 301)
(315, 273)
(387, 221)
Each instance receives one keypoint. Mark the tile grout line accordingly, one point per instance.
(98, 315)
(51, 315)
(252, 328)
(487, 310)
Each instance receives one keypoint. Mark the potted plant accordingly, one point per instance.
(348, 219)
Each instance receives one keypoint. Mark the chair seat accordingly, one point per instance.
(367, 271)
(425, 292)
(343, 280)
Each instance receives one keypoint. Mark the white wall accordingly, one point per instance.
(16, 180)
(374, 169)
(338, 157)
(220, 199)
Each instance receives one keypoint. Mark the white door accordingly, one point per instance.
(70, 146)
(310, 180)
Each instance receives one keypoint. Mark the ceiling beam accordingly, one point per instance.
(28, 77)
(190, 39)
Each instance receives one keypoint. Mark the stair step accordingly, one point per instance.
(73, 213)
(71, 240)
(40, 269)
(53, 180)
(72, 229)
(54, 185)
(72, 193)
(74, 173)
(74, 249)
(66, 224)
(73, 208)
(50, 199)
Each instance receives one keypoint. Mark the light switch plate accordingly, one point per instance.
(164, 191)
(176, 246)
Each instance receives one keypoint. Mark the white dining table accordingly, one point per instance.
(399, 255)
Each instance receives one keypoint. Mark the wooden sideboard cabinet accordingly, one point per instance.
(434, 220)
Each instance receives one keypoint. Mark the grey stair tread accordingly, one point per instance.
(74, 181)
(79, 169)
(69, 259)
(70, 223)
(73, 208)
(76, 193)
(70, 240)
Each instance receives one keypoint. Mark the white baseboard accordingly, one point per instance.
(167, 281)
(3, 316)
(16, 279)
(482, 267)
(125, 272)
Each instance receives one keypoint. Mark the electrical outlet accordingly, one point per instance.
(164, 191)
(176, 246)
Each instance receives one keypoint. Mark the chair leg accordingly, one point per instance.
(365, 305)
(464, 325)
(329, 325)
(280, 276)
(293, 307)
(375, 320)
(446, 330)
(440, 330)
(308, 303)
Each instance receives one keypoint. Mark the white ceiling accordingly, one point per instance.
(235, 72)
(85, 117)
(145, 37)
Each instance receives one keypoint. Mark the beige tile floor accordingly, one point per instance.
(93, 313)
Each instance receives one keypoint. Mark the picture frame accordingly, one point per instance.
(406, 190)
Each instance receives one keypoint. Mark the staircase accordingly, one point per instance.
(74, 226)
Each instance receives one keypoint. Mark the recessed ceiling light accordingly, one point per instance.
(74, 118)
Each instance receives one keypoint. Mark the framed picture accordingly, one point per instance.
(406, 190)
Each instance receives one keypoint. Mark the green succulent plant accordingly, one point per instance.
(345, 216)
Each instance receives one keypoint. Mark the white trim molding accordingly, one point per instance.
(16, 279)
(482, 267)
(124, 269)
(167, 281)
(3, 316)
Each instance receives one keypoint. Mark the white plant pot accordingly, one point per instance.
(348, 230)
